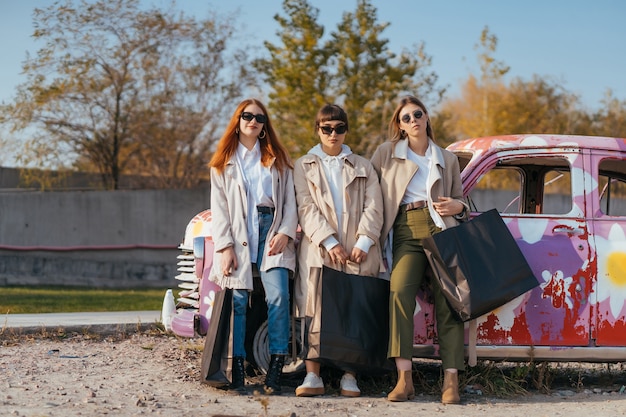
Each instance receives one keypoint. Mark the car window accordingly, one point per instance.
(612, 187)
(524, 186)
(464, 159)
(498, 188)
(557, 192)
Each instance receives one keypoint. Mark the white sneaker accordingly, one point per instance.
(349, 388)
(312, 386)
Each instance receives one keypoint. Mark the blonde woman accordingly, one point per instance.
(422, 195)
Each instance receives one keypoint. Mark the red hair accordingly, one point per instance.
(270, 145)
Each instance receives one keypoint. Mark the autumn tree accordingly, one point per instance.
(540, 105)
(489, 106)
(473, 114)
(610, 119)
(119, 89)
(5, 146)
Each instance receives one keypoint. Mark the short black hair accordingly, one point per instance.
(330, 112)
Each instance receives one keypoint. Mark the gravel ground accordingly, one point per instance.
(149, 373)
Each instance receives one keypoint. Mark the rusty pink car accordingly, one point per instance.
(564, 200)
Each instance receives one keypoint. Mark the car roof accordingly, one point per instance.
(528, 141)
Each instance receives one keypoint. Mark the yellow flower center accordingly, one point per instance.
(616, 268)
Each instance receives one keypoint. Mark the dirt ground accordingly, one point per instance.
(147, 373)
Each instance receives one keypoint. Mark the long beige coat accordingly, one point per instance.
(363, 214)
(229, 208)
(395, 170)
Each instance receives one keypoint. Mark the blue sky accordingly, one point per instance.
(578, 43)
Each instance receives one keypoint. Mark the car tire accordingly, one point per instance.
(260, 351)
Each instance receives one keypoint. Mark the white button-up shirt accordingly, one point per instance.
(258, 182)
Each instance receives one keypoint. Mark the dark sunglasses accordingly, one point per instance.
(417, 114)
(328, 130)
(247, 116)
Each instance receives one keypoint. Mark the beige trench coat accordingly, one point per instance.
(229, 208)
(395, 170)
(363, 214)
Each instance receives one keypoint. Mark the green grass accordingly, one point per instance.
(30, 300)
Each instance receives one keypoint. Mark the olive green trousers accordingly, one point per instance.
(407, 275)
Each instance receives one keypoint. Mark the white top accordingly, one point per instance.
(417, 188)
(258, 183)
(333, 169)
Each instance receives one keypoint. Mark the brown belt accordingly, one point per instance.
(413, 206)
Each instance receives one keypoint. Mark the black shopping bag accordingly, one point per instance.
(478, 265)
(350, 326)
(217, 359)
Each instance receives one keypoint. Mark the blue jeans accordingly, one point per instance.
(276, 285)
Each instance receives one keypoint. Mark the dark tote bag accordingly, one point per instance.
(350, 326)
(478, 265)
(217, 359)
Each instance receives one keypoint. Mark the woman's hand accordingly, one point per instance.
(278, 244)
(447, 206)
(229, 261)
(358, 255)
(338, 255)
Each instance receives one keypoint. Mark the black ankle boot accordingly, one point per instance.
(275, 371)
(239, 376)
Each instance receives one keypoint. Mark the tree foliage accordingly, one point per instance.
(610, 120)
(489, 106)
(369, 76)
(537, 106)
(354, 68)
(296, 72)
(476, 111)
(491, 70)
(118, 89)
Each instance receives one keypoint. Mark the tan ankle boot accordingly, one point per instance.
(404, 389)
(450, 389)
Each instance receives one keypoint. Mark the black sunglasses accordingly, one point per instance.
(417, 114)
(247, 116)
(328, 130)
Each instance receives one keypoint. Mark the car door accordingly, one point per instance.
(540, 196)
(608, 231)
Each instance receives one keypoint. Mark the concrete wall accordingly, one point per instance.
(117, 239)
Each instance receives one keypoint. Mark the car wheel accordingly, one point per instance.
(260, 351)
